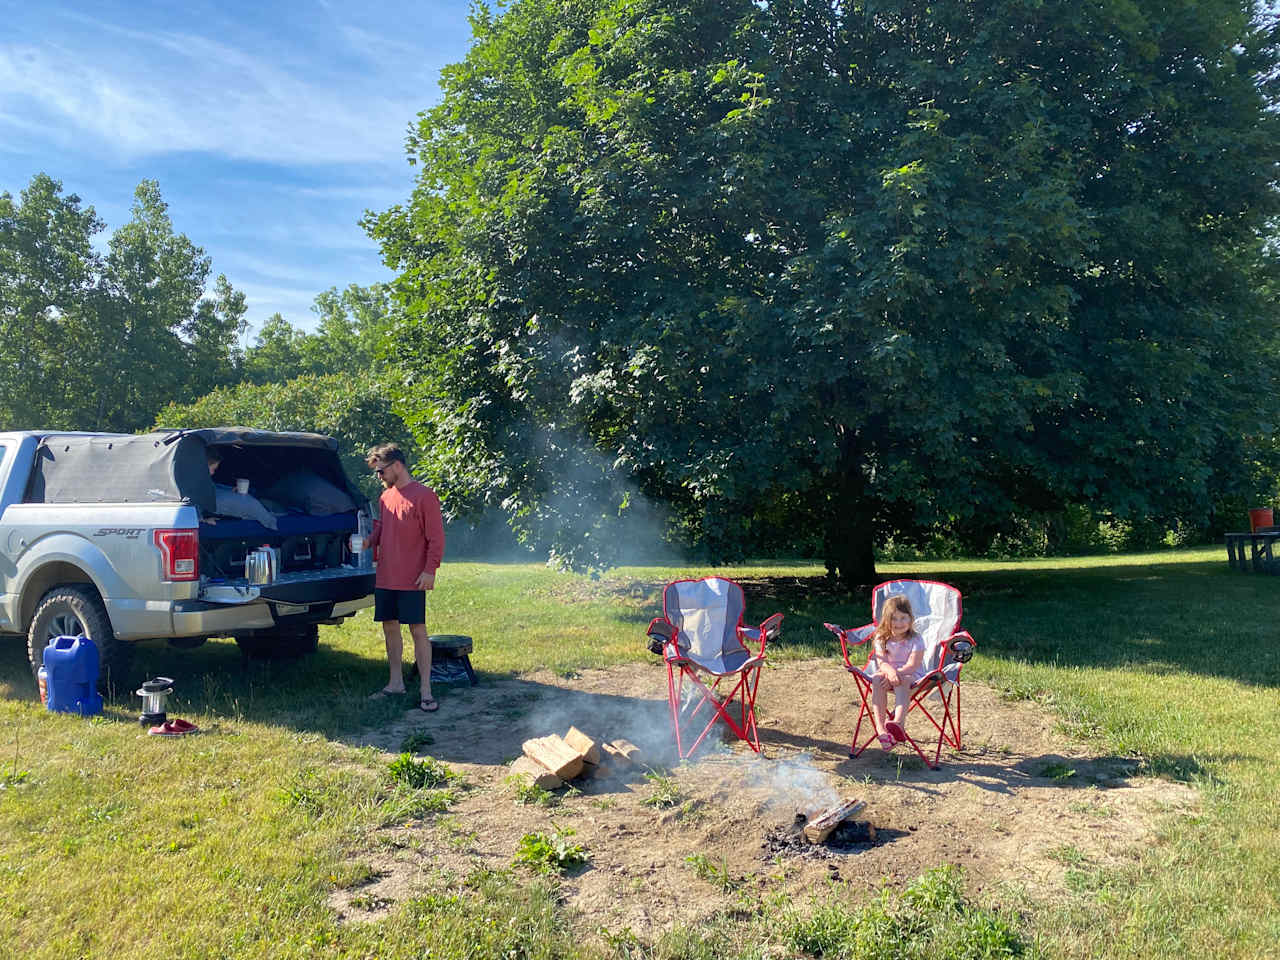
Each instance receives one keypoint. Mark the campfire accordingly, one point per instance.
(823, 834)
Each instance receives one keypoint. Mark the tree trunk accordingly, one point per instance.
(850, 529)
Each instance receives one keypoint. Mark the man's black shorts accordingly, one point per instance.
(407, 606)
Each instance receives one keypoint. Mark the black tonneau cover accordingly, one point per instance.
(171, 466)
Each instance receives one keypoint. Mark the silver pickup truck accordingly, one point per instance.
(119, 538)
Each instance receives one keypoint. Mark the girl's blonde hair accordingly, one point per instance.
(884, 629)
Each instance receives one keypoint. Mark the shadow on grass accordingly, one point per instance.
(1200, 618)
(1159, 617)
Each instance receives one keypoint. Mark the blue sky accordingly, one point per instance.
(270, 126)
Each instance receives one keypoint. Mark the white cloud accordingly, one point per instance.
(169, 92)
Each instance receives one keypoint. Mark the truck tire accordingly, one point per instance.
(77, 611)
(285, 644)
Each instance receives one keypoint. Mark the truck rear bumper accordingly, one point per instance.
(198, 618)
(290, 601)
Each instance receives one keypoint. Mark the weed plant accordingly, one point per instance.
(420, 774)
(552, 852)
(715, 874)
(665, 791)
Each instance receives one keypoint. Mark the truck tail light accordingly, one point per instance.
(179, 553)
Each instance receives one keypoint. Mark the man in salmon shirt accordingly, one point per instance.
(408, 540)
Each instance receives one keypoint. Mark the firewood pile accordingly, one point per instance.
(551, 761)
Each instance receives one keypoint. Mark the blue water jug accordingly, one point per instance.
(71, 665)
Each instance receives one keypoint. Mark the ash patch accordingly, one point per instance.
(850, 837)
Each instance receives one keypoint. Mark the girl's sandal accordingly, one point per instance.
(896, 731)
(886, 742)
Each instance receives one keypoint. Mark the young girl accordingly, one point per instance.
(897, 651)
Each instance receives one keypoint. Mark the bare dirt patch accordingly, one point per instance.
(1021, 804)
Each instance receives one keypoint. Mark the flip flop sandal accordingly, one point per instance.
(384, 693)
(173, 728)
(429, 705)
(887, 742)
(894, 729)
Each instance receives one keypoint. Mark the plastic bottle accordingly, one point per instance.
(364, 527)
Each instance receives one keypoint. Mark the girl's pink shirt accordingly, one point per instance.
(897, 653)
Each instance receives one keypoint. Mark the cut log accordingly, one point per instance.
(614, 756)
(587, 748)
(628, 751)
(554, 754)
(538, 775)
(820, 827)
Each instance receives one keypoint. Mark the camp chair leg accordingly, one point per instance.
(956, 693)
(750, 685)
(864, 713)
(744, 692)
(674, 690)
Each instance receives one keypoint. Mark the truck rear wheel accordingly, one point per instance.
(77, 611)
(284, 644)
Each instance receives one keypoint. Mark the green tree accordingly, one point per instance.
(844, 268)
(352, 324)
(276, 353)
(49, 295)
(100, 342)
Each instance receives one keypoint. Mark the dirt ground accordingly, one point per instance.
(1021, 804)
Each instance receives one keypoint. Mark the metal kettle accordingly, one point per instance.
(262, 565)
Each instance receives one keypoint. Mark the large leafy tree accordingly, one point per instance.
(843, 268)
(96, 341)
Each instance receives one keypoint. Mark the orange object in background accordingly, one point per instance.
(1261, 517)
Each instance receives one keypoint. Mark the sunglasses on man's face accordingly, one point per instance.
(378, 470)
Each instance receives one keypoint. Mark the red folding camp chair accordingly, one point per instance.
(704, 643)
(936, 694)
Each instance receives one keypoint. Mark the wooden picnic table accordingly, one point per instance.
(1260, 542)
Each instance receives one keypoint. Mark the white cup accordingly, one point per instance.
(357, 543)
(242, 485)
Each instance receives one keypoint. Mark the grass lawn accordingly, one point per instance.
(227, 844)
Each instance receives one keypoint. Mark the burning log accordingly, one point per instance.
(555, 755)
(821, 825)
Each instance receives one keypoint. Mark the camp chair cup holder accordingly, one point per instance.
(659, 634)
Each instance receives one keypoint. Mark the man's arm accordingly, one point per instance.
(431, 525)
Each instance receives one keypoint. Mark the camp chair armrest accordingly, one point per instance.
(851, 637)
(769, 630)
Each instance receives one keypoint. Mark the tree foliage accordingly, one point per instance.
(99, 341)
(352, 325)
(848, 268)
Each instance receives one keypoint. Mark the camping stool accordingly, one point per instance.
(450, 652)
